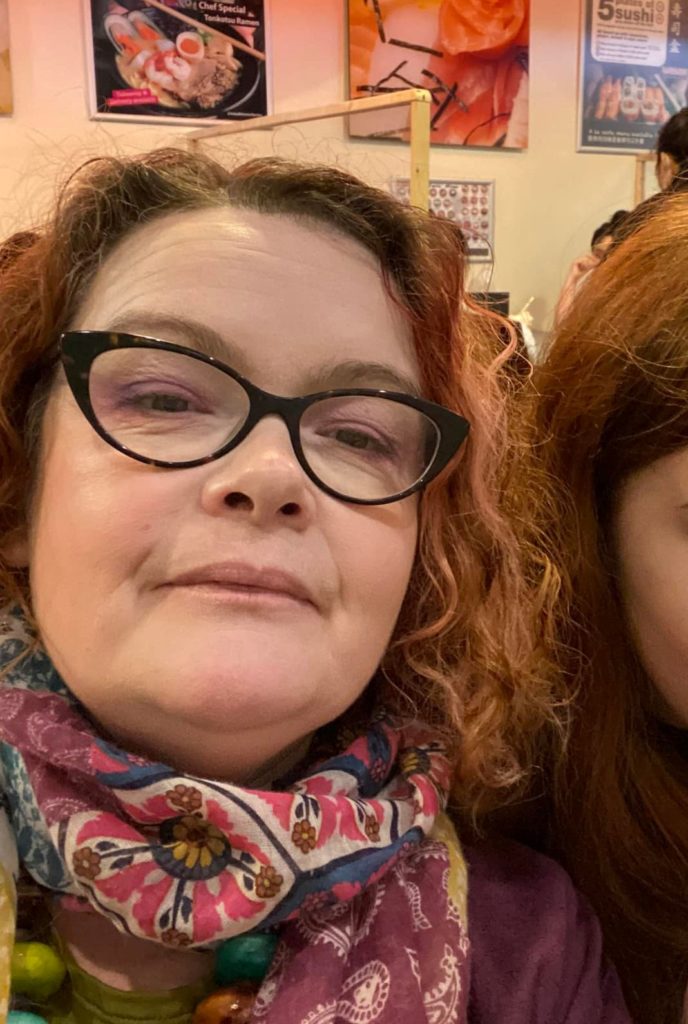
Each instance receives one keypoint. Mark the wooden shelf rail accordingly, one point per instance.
(418, 100)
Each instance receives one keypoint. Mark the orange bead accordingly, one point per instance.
(231, 1005)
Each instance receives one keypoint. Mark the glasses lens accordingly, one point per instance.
(165, 405)
(366, 447)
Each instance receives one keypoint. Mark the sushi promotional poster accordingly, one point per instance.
(633, 73)
(183, 60)
(471, 55)
(5, 69)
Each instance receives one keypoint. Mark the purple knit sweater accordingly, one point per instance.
(536, 945)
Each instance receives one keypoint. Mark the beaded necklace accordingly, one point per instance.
(196, 863)
(38, 972)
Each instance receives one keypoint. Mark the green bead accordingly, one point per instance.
(36, 971)
(20, 1017)
(245, 958)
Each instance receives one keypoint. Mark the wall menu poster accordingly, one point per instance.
(470, 204)
(6, 105)
(186, 60)
(471, 55)
(633, 71)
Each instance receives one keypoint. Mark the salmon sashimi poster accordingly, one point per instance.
(177, 59)
(472, 55)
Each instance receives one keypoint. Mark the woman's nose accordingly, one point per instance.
(261, 479)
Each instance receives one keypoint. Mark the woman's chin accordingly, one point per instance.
(243, 695)
(231, 737)
(175, 686)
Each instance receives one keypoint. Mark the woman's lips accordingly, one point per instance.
(241, 582)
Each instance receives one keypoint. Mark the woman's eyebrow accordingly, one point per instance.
(350, 373)
(353, 373)
(181, 330)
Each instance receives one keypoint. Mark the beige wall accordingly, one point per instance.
(549, 198)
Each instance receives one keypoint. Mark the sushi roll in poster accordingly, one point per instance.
(162, 59)
(633, 72)
(472, 55)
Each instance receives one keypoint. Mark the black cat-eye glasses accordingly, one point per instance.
(175, 407)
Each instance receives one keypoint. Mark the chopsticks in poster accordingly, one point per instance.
(200, 27)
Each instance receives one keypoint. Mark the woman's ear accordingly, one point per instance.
(15, 550)
(666, 170)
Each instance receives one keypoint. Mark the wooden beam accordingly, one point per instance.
(639, 185)
(419, 139)
(403, 98)
(417, 100)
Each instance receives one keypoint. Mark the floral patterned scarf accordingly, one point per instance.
(343, 858)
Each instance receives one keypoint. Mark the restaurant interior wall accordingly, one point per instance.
(548, 198)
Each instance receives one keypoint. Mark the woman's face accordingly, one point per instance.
(212, 678)
(652, 547)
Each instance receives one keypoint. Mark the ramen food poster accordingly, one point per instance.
(186, 60)
(5, 71)
(634, 71)
(472, 55)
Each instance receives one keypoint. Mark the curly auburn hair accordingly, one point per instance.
(464, 654)
(613, 399)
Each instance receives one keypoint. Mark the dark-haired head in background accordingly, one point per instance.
(672, 153)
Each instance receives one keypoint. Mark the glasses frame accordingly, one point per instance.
(78, 350)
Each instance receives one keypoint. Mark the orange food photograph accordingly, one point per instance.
(472, 55)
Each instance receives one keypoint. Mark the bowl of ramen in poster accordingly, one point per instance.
(188, 71)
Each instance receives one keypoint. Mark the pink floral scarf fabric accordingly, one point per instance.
(342, 859)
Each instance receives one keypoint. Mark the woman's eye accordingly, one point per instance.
(361, 441)
(162, 403)
(354, 439)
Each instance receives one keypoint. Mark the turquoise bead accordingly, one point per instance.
(20, 1017)
(245, 958)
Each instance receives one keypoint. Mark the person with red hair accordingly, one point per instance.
(611, 427)
(264, 610)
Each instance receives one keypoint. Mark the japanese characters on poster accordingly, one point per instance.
(5, 69)
(634, 71)
(178, 59)
(472, 57)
